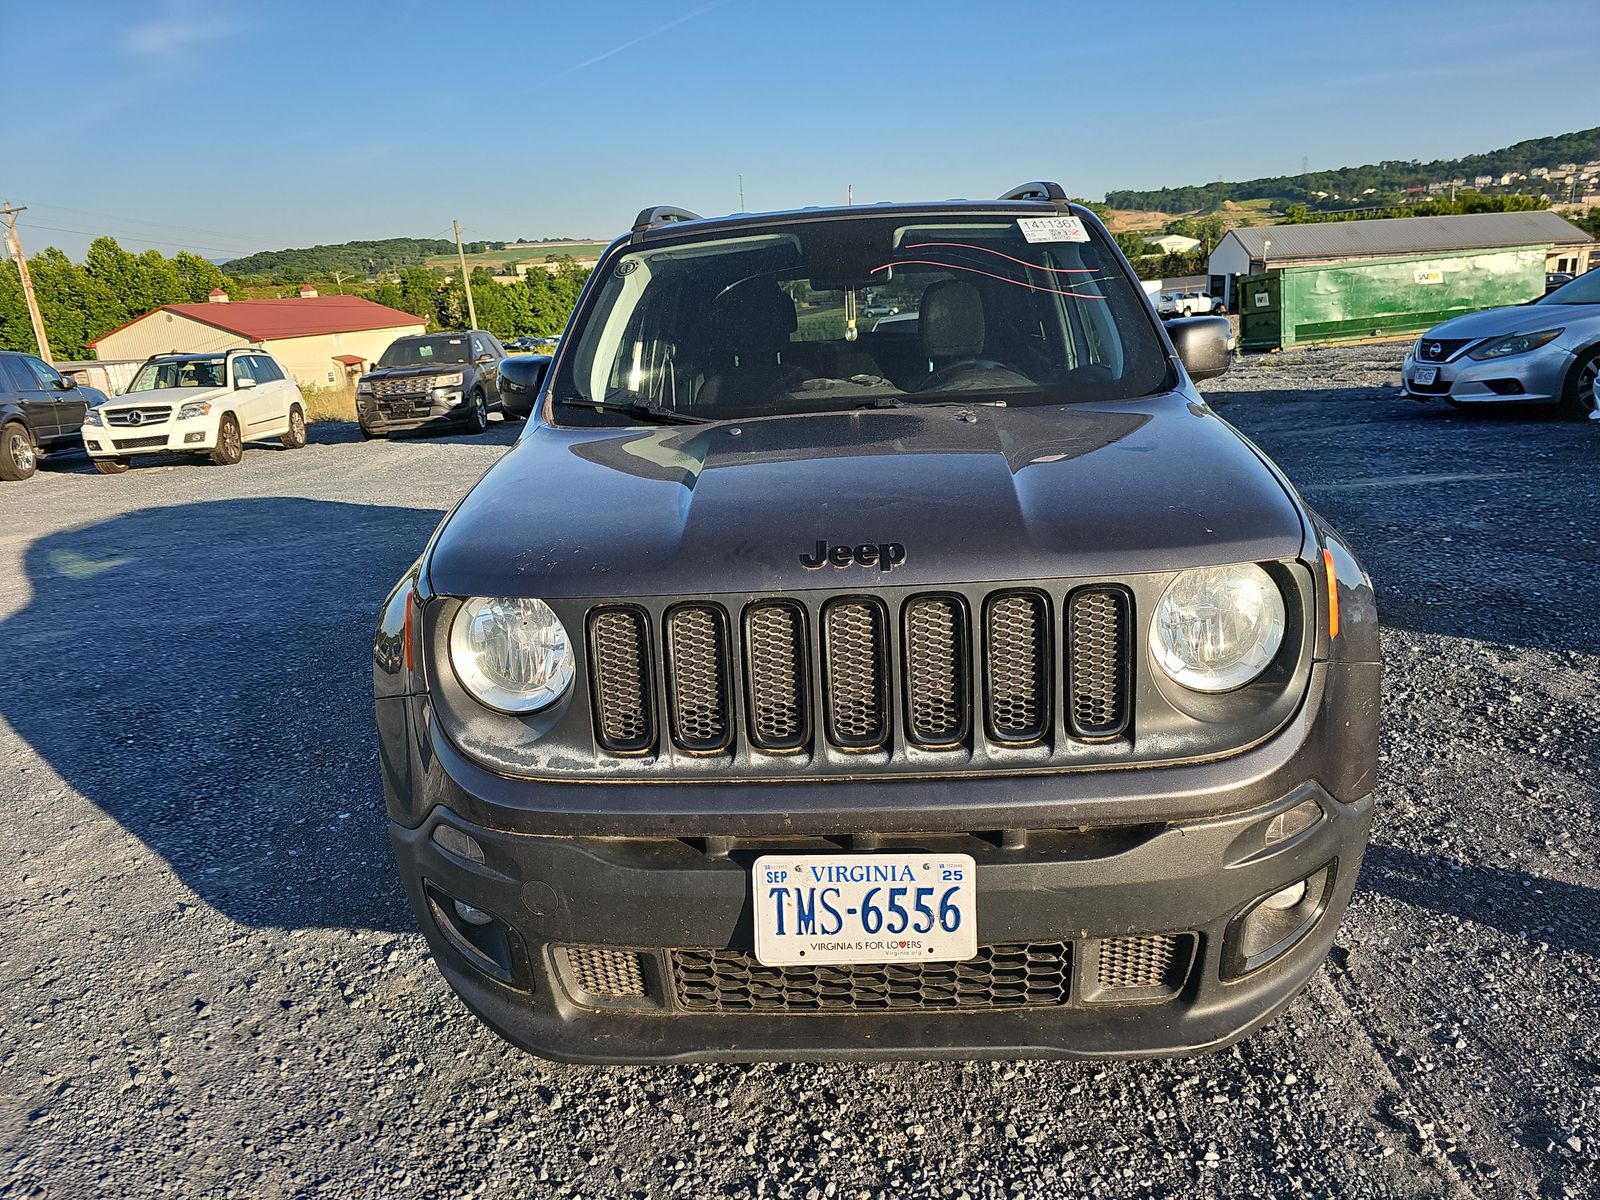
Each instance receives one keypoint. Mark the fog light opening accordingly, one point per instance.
(1272, 925)
(481, 938)
(476, 916)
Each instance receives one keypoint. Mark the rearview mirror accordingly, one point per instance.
(1204, 345)
(241, 384)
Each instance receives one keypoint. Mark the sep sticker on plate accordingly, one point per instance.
(1053, 229)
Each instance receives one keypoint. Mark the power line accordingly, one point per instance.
(142, 221)
(133, 237)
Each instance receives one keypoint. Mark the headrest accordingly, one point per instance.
(950, 320)
(753, 315)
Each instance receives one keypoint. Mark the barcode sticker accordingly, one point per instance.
(1053, 229)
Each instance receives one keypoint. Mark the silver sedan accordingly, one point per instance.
(1545, 352)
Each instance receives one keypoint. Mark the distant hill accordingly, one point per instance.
(362, 257)
(1388, 179)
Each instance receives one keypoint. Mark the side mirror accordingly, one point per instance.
(484, 359)
(1204, 345)
(241, 384)
(66, 383)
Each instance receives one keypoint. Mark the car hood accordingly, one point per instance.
(972, 494)
(180, 395)
(1518, 318)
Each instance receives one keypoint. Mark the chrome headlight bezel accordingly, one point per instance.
(1233, 593)
(527, 629)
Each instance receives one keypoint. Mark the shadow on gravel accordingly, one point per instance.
(501, 432)
(202, 673)
(1565, 915)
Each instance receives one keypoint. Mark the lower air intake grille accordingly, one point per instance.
(619, 658)
(1028, 975)
(601, 971)
(1157, 960)
(697, 674)
(1018, 688)
(1097, 662)
(143, 443)
(855, 673)
(775, 637)
(936, 670)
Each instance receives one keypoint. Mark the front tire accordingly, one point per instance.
(1581, 397)
(230, 446)
(295, 439)
(18, 458)
(110, 466)
(478, 414)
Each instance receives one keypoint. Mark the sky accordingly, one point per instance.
(226, 127)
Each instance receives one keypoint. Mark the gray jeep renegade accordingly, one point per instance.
(809, 682)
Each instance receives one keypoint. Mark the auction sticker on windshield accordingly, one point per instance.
(864, 908)
(1052, 229)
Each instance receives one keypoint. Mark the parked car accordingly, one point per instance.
(1184, 304)
(974, 690)
(1555, 279)
(41, 412)
(520, 379)
(1544, 352)
(431, 381)
(206, 404)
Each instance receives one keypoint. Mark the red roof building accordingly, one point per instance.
(313, 337)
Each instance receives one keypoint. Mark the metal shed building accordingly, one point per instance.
(1348, 280)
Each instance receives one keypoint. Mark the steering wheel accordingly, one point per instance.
(943, 376)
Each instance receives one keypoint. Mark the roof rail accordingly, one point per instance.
(1041, 189)
(661, 214)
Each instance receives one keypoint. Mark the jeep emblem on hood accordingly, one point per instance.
(886, 556)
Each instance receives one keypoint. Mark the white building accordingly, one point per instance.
(322, 341)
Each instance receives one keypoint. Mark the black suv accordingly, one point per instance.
(41, 412)
(431, 380)
(949, 684)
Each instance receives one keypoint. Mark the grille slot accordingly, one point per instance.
(697, 674)
(1097, 662)
(619, 667)
(1021, 975)
(775, 641)
(936, 670)
(1155, 961)
(1018, 664)
(855, 673)
(602, 971)
(123, 418)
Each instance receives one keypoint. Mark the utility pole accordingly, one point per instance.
(14, 244)
(466, 281)
(741, 191)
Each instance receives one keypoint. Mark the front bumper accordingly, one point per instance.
(434, 410)
(1163, 856)
(190, 435)
(1533, 378)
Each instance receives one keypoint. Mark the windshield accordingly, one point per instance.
(425, 351)
(840, 313)
(179, 373)
(1585, 289)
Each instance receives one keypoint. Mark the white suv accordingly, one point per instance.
(209, 404)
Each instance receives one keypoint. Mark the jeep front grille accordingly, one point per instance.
(1097, 662)
(854, 674)
(1024, 975)
(619, 664)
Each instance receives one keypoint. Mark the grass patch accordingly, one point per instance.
(329, 404)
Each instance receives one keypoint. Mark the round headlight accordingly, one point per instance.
(1217, 628)
(512, 655)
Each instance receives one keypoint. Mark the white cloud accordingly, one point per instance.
(179, 26)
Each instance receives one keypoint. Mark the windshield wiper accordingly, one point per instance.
(638, 408)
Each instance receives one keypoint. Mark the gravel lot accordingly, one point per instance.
(210, 983)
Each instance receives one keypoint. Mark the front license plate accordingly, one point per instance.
(1426, 375)
(864, 908)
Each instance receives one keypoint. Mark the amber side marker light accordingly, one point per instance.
(1333, 594)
